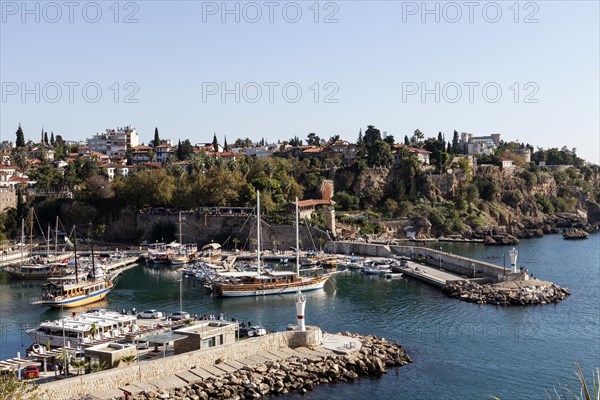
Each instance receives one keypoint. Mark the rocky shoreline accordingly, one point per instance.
(513, 293)
(293, 375)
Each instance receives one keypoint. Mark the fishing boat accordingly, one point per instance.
(84, 328)
(261, 282)
(70, 291)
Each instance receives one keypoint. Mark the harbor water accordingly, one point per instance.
(460, 350)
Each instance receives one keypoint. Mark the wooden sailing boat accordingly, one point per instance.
(261, 283)
(70, 291)
(33, 270)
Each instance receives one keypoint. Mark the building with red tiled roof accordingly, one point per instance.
(307, 207)
(401, 149)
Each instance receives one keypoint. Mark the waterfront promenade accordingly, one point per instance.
(295, 354)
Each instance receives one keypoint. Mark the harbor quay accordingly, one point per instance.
(278, 363)
(463, 278)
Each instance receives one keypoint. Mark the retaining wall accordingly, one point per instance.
(77, 387)
(451, 262)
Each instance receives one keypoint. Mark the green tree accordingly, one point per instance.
(380, 153)
(295, 141)
(225, 147)
(14, 389)
(417, 138)
(184, 149)
(372, 135)
(46, 138)
(79, 365)
(455, 142)
(406, 140)
(20, 142)
(215, 143)
(128, 359)
(156, 141)
(334, 138)
(52, 138)
(59, 148)
(95, 366)
(389, 139)
(313, 140)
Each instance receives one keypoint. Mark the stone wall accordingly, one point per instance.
(74, 388)
(451, 262)
(206, 228)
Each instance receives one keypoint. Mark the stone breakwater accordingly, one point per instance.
(514, 293)
(292, 375)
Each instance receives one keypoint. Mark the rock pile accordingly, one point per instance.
(575, 233)
(293, 375)
(516, 293)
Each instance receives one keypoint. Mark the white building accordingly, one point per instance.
(115, 142)
(479, 144)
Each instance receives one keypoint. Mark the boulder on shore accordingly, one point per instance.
(511, 293)
(575, 233)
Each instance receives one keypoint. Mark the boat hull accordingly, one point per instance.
(276, 289)
(77, 301)
(28, 276)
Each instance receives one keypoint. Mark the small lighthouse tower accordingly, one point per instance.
(513, 259)
(300, 305)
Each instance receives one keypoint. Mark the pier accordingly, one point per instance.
(427, 274)
(462, 267)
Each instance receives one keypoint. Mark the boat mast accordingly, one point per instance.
(56, 237)
(258, 232)
(22, 238)
(92, 246)
(297, 240)
(75, 253)
(180, 236)
(31, 233)
(48, 245)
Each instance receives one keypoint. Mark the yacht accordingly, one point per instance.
(261, 282)
(84, 328)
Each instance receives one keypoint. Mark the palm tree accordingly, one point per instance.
(79, 365)
(97, 366)
(128, 359)
(93, 330)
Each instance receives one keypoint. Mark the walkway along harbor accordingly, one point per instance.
(277, 363)
(488, 283)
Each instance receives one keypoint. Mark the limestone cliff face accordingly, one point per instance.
(521, 202)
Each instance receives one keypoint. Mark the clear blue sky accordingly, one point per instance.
(373, 54)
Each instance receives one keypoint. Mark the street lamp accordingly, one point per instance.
(180, 293)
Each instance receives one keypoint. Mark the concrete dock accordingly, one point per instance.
(431, 275)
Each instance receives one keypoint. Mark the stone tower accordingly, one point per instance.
(327, 194)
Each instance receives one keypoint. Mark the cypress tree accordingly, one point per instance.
(215, 143)
(20, 137)
(156, 137)
(52, 138)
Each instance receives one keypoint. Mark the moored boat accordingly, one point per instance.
(84, 328)
(262, 283)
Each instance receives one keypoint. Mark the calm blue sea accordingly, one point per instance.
(460, 350)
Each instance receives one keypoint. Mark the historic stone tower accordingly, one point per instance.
(327, 194)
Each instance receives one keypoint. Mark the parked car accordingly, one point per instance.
(153, 314)
(179, 315)
(142, 344)
(256, 330)
(32, 372)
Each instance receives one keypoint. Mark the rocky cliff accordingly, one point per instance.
(497, 205)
